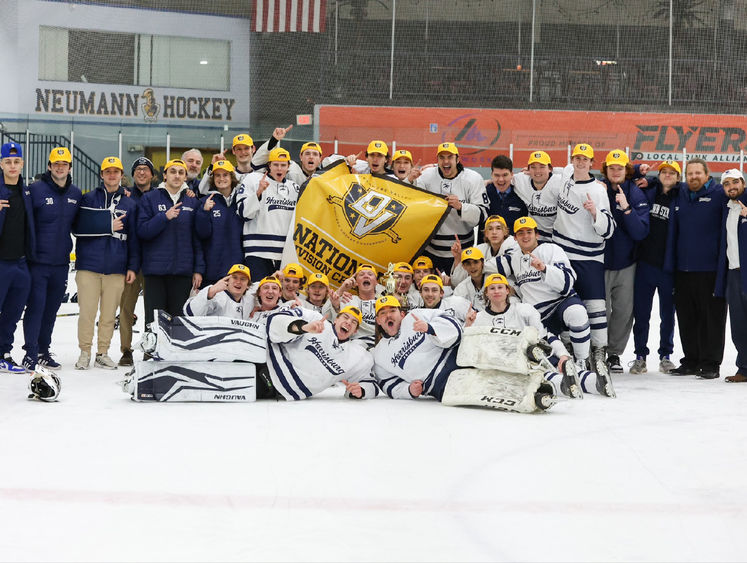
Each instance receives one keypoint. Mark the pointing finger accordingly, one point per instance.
(588, 197)
(289, 128)
(414, 316)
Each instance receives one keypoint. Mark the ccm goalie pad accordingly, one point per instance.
(498, 373)
(192, 382)
(195, 339)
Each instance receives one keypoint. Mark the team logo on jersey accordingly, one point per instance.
(369, 212)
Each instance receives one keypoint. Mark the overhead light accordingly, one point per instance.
(203, 62)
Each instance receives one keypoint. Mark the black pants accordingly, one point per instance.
(265, 388)
(701, 318)
(167, 293)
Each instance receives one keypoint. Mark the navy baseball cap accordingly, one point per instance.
(11, 149)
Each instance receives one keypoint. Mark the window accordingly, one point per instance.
(100, 57)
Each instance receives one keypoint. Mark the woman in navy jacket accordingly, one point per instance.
(172, 259)
(630, 211)
(218, 225)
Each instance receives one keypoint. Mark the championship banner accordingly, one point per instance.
(343, 220)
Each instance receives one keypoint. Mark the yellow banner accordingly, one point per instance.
(343, 220)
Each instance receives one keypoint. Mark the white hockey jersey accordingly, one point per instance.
(410, 355)
(519, 316)
(302, 365)
(455, 306)
(470, 188)
(467, 290)
(575, 231)
(221, 305)
(543, 290)
(326, 309)
(367, 328)
(459, 274)
(267, 218)
(543, 212)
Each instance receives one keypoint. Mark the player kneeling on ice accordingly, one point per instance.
(307, 354)
(502, 313)
(417, 350)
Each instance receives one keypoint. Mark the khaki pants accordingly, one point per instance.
(127, 311)
(93, 289)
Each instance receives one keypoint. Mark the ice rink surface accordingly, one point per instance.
(657, 474)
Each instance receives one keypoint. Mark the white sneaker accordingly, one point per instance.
(84, 360)
(666, 365)
(104, 361)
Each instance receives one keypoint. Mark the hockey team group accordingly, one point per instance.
(565, 260)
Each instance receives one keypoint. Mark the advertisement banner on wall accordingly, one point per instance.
(481, 134)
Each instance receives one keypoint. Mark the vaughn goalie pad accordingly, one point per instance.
(502, 349)
(499, 390)
(222, 382)
(222, 339)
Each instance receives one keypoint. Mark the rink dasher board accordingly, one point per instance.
(219, 382)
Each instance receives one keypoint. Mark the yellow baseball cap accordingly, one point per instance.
(365, 267)
(496, 219)
(447, 147)
(241, 269)
(539, 156)
(223, 165)
(269, 279)
(495, 279)
(583, 149)
(354, 312)
(670, 164)
(432, 278)
(524, 223)
(379, 147)
(242, 139)
(317, 277)
(472, 253)
(616, 156)
(402, 153)
(278, 154)
(311, 146)
(422, 262)
(293, 270)
(403, 267)
(174, 162)
(61, 154)
(111, 162)
(387, 301)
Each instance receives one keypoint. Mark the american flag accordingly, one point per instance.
(289, 15)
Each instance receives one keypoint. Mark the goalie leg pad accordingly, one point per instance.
(496, 390)
(193, 382)
(502, 349)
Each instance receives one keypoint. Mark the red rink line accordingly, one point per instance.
(253, 502)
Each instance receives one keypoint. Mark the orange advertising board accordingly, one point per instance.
(482, 134)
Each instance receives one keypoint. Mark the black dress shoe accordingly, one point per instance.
(684, 370)
(709, 373)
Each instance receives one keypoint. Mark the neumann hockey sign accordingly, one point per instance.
(146, 105)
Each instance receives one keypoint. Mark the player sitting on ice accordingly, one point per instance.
(364, 281)
(417, 351)
(432, 294)
(291, 281)
(544, 279)
(227, 297)
(307, 354)
(470, 288)
(318, 296)
(502, 313)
